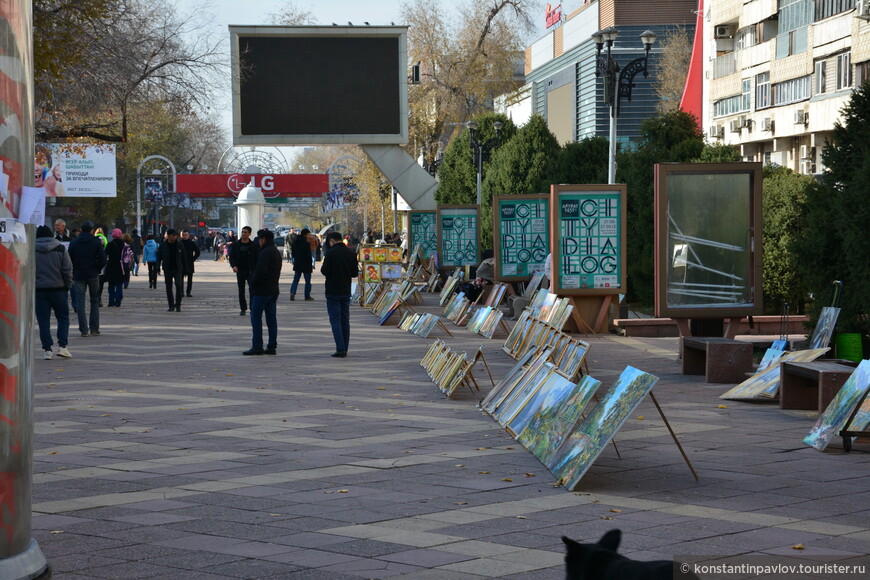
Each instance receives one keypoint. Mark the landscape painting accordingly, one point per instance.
(556, 418)
(595, 431)
(825, 327)
(838, 412)
(767, 380)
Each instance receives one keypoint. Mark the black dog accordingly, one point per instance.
(601, 562)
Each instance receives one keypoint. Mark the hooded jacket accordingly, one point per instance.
(149, 254)
(53, 266)
(87, 255)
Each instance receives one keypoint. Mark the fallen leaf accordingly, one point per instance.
(506, 479)
(483, 472)
(382, 388)
(481, 448)
(106, 415)
(596, 500)
(182, 408)
(616, 511)
(521, 517)
(328, 492)
(344, 491)
(640, 418)
(460, 503)
(508, 447)
(605, 518)
(530, 475)
(797, 547)
(52, 452)
(57, 531)
(276, 515)
(722, 407)
(459, 465)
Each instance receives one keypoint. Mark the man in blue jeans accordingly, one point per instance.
(340, 268)
(88, 258)
(264, 294)
(53, 281)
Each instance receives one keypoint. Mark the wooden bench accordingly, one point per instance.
(720, 360)
(811, 386)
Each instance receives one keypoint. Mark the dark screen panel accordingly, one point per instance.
(319, 85)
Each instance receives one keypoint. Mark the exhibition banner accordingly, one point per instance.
(521, 236)
(75, 170)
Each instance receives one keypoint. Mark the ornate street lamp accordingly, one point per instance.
(481, 150)
(618, 82)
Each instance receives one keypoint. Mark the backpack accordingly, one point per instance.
(127, 258)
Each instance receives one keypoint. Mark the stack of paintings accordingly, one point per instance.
(843, 407)
(447, 369)
(544, 410)
(530, 334)
(485, 320)
(764, 384)
(456, 309)
(419, 324)
(450, 284)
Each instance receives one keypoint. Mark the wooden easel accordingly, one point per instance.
(599, 318)
(673, 435)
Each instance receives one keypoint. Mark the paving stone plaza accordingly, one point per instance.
(161, 452)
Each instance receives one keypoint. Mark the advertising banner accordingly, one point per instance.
(459, 235)
(521, 236)
(75, 170)
(423, 232)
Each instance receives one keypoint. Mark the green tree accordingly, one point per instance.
(837, 244)
(458, 172)
(784, 207)
(667, 137)
(524, 164)
(719, 153)
(582, 162)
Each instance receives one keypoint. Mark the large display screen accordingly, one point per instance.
(319, 85)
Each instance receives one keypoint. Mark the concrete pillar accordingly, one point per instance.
(20, 556)
(251, 207)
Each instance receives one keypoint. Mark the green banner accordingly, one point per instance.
(590, 240)
(523, 236)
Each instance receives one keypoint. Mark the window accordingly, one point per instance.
(736, 104)
(746, 95)
(791, 91)
(844, 71)
(747, 37)
(794, 14)
(826, 8)
(820, 77)
(862, 73)
(762, 91)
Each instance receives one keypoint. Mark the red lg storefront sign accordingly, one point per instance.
(281, 185)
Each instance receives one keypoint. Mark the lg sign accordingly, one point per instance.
(237, 183)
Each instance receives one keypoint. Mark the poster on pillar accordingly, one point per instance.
(423, 232)
(458, 235)
(588, 229)
(521, 235)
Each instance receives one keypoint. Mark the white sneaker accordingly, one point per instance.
(64, 352)
(47, 355)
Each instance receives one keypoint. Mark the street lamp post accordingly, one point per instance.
(482, 149)
(618, 82)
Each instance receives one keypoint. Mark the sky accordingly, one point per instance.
(376, 12)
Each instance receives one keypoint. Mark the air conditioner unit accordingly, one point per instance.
(724, 31)
(808, 166)
(735, 126)
(746, 122)
(800, 117)
(767, 124)
(862, 9)
(805, 152)
(716, 131)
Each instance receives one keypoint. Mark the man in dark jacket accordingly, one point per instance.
(173, 257)
(264, 294)
(340, 268)
(88, 259)
(192, 250)
(243, 257)
(53, 281)
(303, 264)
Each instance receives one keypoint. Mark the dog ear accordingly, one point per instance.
(610, 540)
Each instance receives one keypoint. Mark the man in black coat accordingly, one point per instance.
(191, 248)
(173, 257)
(264, 294)
(88, 259)
(243, 257)
(303, 264)
(340, 268)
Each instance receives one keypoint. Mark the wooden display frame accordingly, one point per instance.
(457, 211)
(664, 259)
(591, 193)
(498, 234)
(424, 237)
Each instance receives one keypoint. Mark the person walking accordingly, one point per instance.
(88, 259)
(192, 250)
(218, 244)
(302, 264)
(54, 278)
(264, 294)
(149, 257)
(116, 270)
(136, 246)
(243, 257)
(340, 268)
(172, 256)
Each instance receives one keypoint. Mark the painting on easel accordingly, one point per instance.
(840, 409)
(825, 327)
(586, 442)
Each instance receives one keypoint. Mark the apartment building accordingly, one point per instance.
(779, 72)
(560, 66)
